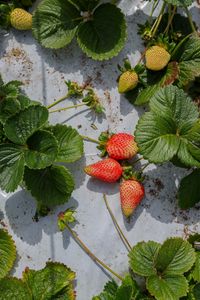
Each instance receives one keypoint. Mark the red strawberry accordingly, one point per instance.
(131, 194)
(121, 146)
(108, 170)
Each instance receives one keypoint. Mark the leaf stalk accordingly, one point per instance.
(119, 230)
(92, 256)
(66, 108)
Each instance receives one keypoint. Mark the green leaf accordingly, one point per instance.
(21, 126)
(169, 287)
(175, 257)
(196, 270)
(104, 35)
(70, 143)
(189, 190)
(51, 186)
(8, 108)
(181, 3)
(196, 291)
(11, 167)
(151, 82)
(128, 289)
(7, 253)
(188, 58)
(142, 258)
(52, 282)
(163, 133)
(13, 288)
(85, 5)
(55, 23)
(42, 150)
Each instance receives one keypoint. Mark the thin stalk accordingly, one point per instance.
(145, 166)
(87, 138)
(190, 20)
(87, 250)
(58, 101)
(66, 108)
(170, 19)
(155, 4)
(137, 160)
(159, 19)
(119, 230)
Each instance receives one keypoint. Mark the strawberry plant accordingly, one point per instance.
(171, 269)
(54, 281)
(170, 132)
(180, 67)
(100, 29)
(31, 149)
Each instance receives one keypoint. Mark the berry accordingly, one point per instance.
(127, 81)
(20, 19)
(121, 146)
(108, 170)
(157, 58)
(131, 194)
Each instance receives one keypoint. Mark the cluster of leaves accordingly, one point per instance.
(55, 281)
(100, 29)
(31, 149)
(7, 6)
(182, 70)
(170, 131)
(171, 270)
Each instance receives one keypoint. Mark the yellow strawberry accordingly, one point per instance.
(127, 81)
(20, 19)
(157, 58)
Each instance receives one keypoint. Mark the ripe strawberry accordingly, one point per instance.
(127, 81)
(157, 58)
(20, 19)
(108, 170)
(131, 194)
(121, 146)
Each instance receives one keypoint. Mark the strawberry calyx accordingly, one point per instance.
(103, 139)
(130, 174)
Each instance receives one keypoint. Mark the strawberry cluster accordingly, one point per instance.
(119, 147)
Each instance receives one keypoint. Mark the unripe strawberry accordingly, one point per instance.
(20, 19)
(131, 194)
(108, 170)
(157, 58)
(127, 81)
(121, 146)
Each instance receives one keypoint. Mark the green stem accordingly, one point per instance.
(66, 108)
(159, 19)
(155, 4)
(145, 166)
(87, 138)
(137, 160)
(119, 230)
(190, 20)
(170, 19)
(58, 101)
(87, 250)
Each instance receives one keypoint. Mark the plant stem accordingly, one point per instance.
(119, 230)
(66, 108)
(137, 160)
(170, 19)
(159, 19)
(190, 20)
(90, 139)
(58, 101)
(155, 4)
(86, 249)
(145, 166)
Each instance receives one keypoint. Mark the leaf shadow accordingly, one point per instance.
(20, 209)
(76, 169)
(161, 193)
